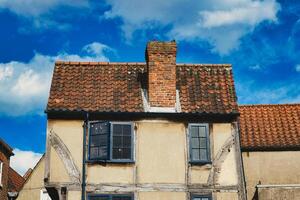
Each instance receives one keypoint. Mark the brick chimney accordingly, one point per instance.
(161, 64)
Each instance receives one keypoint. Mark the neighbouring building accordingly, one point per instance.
(150, 131)
(33, 188)
(270, 139)
(10, 181)
(15, 184)
(5, 154)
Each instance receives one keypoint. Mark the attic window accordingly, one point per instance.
(111, 141)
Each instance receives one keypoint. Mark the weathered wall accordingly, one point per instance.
(279, 193)
(161, 169)
(34, 184)
(271, 168)
(162, 195)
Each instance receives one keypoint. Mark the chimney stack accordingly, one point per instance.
(161, 64)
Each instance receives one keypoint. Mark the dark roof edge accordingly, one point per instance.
(8, 148)
(58, 114)
(270, 148)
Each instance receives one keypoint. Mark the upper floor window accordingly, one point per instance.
(110, 197)
(199, 143)
(111, 141)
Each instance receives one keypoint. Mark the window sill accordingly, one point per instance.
(201, 163)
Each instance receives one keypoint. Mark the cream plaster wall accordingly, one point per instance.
(34, 184)
(110, 173)
(279, 167)
(162, 196)
(161, 152)
(226, 196)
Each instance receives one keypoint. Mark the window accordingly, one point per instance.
(111, 141)
(199, 143)
(201, 197)
(110, 197)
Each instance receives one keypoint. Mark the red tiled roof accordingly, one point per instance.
(264, 127)
(15, 181)
(116, 87)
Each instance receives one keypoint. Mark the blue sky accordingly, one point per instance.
(261, 39)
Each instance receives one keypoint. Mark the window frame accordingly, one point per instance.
(110, 143)
(110, 196)
(209, 196)
(208, 150)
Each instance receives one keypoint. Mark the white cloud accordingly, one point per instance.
(23, 160)
(249, 93)
(6, 72)
(220, 22)
(24, 87)
(38, 7)
(297, 68)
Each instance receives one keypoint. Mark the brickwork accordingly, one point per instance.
(161, 64)
(3, 188)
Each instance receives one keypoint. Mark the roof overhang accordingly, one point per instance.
(191, 117)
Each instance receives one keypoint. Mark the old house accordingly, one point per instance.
(153, 130)
(10, 181)
(270, 139)
(5, 154)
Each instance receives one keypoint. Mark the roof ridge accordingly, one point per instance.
(204, 64)
(139, 63)
(97, 63)
(261, 105)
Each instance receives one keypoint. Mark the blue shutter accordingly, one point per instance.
(99, 140)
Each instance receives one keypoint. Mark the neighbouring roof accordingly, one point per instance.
(6, 148)
(270, 127)
(117, 87)
(15, 181)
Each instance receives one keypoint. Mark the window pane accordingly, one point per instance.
(99, 198)
(127, 129)
(127, 141)
(117, 153)
(202, 142)
(121, 198)
(195, 142)
(195, 154)
(194, 131)
(205, 198)
(202, 131)
(94, 152)
(127, 153)
(117, 141)
(117, 129)
(103, 154)
(203, 154)
(95, 140)
(99, 128)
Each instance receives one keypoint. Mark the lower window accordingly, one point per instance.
(201, 197)
(111, 197)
